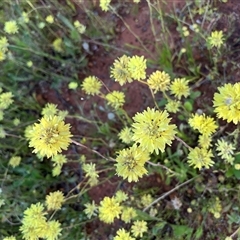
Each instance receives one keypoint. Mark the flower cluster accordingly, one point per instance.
(54, 200)
(227, 102)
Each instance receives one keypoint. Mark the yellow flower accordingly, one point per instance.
(200, 157)
(59, 160)
(179, 88)
(122, 234)
(50, 136)
(49, 110)
(225, 149)
(215, 207)
(14, 161)
(216, 39)
(24, 18)
(173, 106)
(138, 228)
(136, 1)
(128, 213)
(2, 56)
(53, 230)
(159, 81)
(11, 27)
(115, 99)
(204, 124)
(6, 100)
(126, 135)
(205, 141)
(90, 209)
(151, 129)
(4, 44)
(120, 72)
(58, 45)
(227, 102)
(50, 19)
(10, 238)
(54, 200)
(80, 27)
(146, 200)
(109, 209)
(121, 196)
(137, 67)
(29, 64)
(91, 85)
(104, 4)
(130, 163)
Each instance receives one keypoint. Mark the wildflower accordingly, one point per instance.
(205, 141)
(227, 102)
(183, 50)
(72, 85)
(14, 161)
(25, 17)
(159, 81)
(29, 64)
(50, 19)
(122, 234)
(137, 67)
(115, 99)
(90, 209)
(80, 27)
(130, 163)
(58, 45)
(49, 110)
(215, 208)
(16, 121)
(185, 31)
(59, 160)
(6, 100)
(128, 213)
(176, 203)
(179, 88)
(62, 114)
(104, 5)
(50, 136)
(2, 132)
(56, 170)
(121, 196)
(200, 157)
(3, 44)
(138, 228)
(226, 150)
(237, 166)
(136, 1)
(120, 72)
(126, 135)
(172, 106)
(54, 200)
(91, 85)
(90, 170)
(109, 209)
(146, 200)
(53, 230)
(10, 238)
(216, 39)
(204, 124)
(11, 27)
(151, 129)
(2, 56)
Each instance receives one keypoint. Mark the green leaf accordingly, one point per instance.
(198, 233)
(182, 230)
(188, 105)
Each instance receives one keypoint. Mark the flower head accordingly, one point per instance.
(179, 88)
(104, 4)
(128, 213)
(53, 230)
(11, 27)
(90, 209)
(50, 19)
(216, 39)
(54, 200)
(59, 160)
(227, 102)
(130, 163)
(10, 238)
(138, 228)
(58, 45)
(91, 85)
(151, 129)
(49, 110)
(109, 209)
(137, 67)
(4, 44)
(80, 27)
(200, 157)
(173, 106)
(14, 161)
(50, 136)
(115, 99)
(225, 150)
(6, 100)
(122, 234)
(2, 56)
(120, 72)
(204, 141)
(159, 81)
(204, 124)
(121, 196)
(126, 135)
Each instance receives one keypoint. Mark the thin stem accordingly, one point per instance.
(235, 233)
(184, 143)
(160, 165)
(167, 193)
